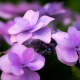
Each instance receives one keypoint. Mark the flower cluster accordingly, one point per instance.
(34, 36)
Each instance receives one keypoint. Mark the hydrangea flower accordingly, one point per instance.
(51, 9)
(8, 10)
(27, 75)
(68, 46)
(19, 58)
(4, 30)
(29, 26)
(66, 17)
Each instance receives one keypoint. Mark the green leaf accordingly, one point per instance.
(2, 54)
(75, 72)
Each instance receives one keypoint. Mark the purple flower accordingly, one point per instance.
(76, 23)
(8, 10)
(19, 58)
(27, 75)
(29, 26)
(66, 17)
(52, 9)
(68, 46)
(4, 30)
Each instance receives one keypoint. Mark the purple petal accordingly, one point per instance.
(45, 20)
(23, 37)
(27, 75)
(36, 16)
(18, 49)
(72, 31)
(16, 29)
(16, 70)
(14, 59)
(59, 37)
(43, 34)
(5, 63)
(28, 55)
(22, 23)
(38, 26)
(28, 16)
(69, 54)
(37, 63)
(59, 55)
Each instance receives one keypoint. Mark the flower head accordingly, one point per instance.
(68, 45)
(29, 26)
(19, 58)
(52, 9)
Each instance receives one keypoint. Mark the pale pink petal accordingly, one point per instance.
(28, 16)
(14, 59)
(38, 26)
(43, 34)
(16, 70)
(5, 63)
(13, 39)
(28, 55)
(23, 37)
(37, 63)
(46, 20)
(16, 29)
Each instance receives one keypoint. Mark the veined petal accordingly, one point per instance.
(34, 18)
(16, 70)
(69, 54)
(59, 55)
(14, 59)
(15, 29)
(38, 26)
(43, 34)
(18, 49)
(37, 63)
(23, 37)
(46, 20)
(28, 16)
(28, 55)
(22, 23)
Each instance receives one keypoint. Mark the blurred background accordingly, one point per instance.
(72, 4)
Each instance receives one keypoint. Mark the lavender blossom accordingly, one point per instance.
(4, 30)
(29, 26)
(51, 9)
(27, 75)
(19, 58)
(9, 10)
(68, 46)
